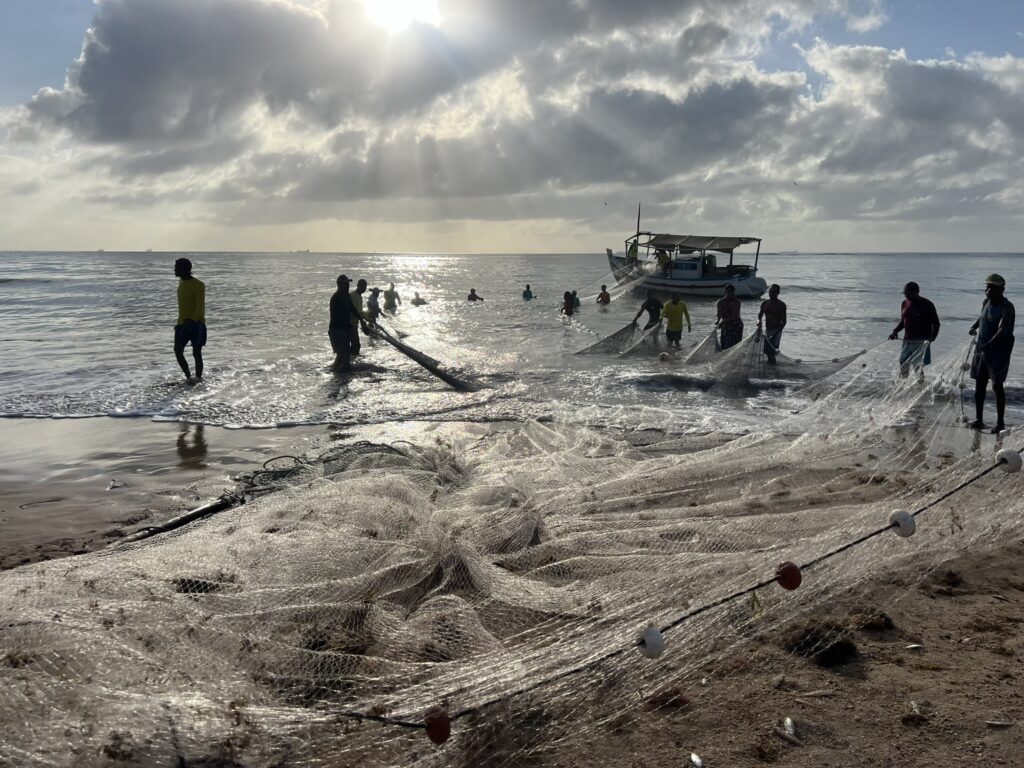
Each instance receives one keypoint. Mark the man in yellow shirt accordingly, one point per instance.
(191, 325)
(673, 313)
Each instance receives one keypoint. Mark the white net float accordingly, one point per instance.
(903, 522)
(1009, 460)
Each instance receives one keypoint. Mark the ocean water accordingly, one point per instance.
(90, 334)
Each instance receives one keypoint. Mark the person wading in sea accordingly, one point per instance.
(357, 317)
(473, 295)
(391, 299)
(920, 325)
(373, 306)
(729, 320)
(604, 297)
(773, 310)
(343, 325)
(994, 328)
(528, 293)
(653, 309)
(191, 325)
(673, 313)
(568, 305)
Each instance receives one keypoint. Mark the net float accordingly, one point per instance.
(439, 724)
(1009, 460)
(652, 642)
(903, 522)
(788, 575)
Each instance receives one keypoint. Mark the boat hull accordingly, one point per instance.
(748, 285)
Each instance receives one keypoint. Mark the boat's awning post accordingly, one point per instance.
(757, 254)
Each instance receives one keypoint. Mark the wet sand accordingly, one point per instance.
(69, 486)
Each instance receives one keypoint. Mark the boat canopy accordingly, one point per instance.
(697, 242)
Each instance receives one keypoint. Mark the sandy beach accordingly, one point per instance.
(69, 486)
(935, 680)
(927, 672)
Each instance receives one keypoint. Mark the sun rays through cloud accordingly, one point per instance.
(396, 15)
(246, 118)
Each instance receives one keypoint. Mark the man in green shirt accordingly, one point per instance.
(191, 325)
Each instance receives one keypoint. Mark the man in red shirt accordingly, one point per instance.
(920, 325)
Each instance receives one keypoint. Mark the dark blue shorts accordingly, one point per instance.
(190, 333)
(674, 335)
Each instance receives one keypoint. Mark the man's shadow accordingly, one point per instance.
(192, 452)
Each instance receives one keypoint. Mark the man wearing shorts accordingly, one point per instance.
(994, 328)
(773, 312)
(191, 325)
(920, 325)
(673, 314)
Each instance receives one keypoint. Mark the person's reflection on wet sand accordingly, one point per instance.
(192, 453)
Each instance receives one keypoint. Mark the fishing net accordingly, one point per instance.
(500, 578)
(614, 343)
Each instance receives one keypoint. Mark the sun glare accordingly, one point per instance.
(396, 15)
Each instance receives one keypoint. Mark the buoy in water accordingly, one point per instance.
(903, 522)
(1009, 460)
(652, 642)
(788, 575)
(439, 724)
(663, 357)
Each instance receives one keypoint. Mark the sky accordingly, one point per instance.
(510, 125)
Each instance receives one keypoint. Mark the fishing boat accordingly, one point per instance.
(691, 265)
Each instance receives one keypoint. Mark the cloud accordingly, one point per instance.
(258, 112)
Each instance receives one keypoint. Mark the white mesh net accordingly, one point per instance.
(507, 580)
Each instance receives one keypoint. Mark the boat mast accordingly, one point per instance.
(638, 218)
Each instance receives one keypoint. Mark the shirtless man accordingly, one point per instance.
(773, 311)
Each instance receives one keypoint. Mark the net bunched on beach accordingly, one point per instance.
(507, 580)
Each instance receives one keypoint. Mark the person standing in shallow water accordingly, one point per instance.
(920, 325)
(673, 313)
(527, 293)
(773, 310)
(604, 297)
(343, 325)
(358, 316)
(373, 306)
(568, 305)
(994, 328)
(391, 299)
(729, 321)
(191, 325)
(473, 295)
(653, 309)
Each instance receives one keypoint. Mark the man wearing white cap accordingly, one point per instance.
(994, 328)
